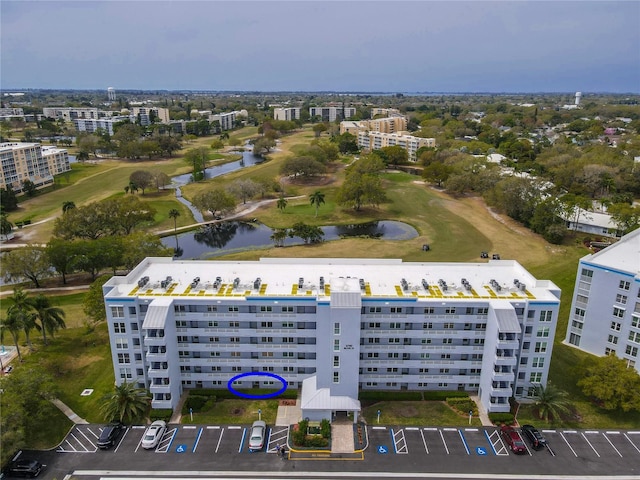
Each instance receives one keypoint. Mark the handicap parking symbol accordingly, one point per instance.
(181, 448)
(481, 450)
(383, 449)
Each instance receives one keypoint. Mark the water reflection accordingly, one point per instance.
(228, 237)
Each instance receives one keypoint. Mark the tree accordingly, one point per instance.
(51, 318)
(318, 128)
(174, 213)
(68, 205)
(305, 167)
(550, 402)
(217, 144)
(395, 155)
(317, 198)
(126, 403)
(627, 217)
(93, 303)
(161, 179)
(263, 146)
(437, 173)
(29, 262)
(282, 203)
(8, 199)
(20, 315)
(361, 189)
(29, 188)
(278, 236)
(244, 189)
(198, 158)
(61, 254)
(141, 179)
(235, 141)
(347, 143)
(612, 383)
(214, 201)
(5, 225)
(308, 233)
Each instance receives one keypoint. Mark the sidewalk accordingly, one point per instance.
(484, 418)
(69, 413)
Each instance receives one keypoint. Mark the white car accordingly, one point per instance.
(153, 434)
(256, 439)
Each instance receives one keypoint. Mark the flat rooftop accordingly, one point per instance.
(316, 278)
(623, 255)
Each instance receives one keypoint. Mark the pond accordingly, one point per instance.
(228, 237)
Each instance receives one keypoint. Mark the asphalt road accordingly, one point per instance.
(221, 452)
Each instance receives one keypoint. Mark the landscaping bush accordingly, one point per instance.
(299, 433)
(223, 393)
(463, 405)
(160, 414)
(315, 441)
(383, 396)
(195, 402)
(444, 395)
(498, 418)
(325, 428)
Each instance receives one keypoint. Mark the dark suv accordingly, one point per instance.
(513, 439)
(23, 467)
(110, 435)
(534, 436)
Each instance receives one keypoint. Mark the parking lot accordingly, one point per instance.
(486, 441)
(181, 439)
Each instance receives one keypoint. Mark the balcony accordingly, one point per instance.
(155, 341)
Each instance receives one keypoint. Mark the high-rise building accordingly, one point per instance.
(30, 161)
(370, 140)
(291, 113)
(333, 327)
(605, 310)
(331, 114)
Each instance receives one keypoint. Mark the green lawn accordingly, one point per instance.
(235, 411)
(416, 413)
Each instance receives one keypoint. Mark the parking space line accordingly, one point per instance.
(244, 433)
(88, 440)
(121, 440)
(502, 451)
(592, 448)
(431, 429)
(634, 445)
(445, 443)
(400, 446)
(277, 437)
(219, 440)
(164, 449)
(568, 444)
(79, 442)
(450, 429)
(611, 443)
(195, 445)
(490, 442)
(175, 431)
(233, 427)
(470, 429)
(424, 441)
(378, 428)
(92, 433)
(189, 427)
(210, 427)
(464, 441)
(411, 429)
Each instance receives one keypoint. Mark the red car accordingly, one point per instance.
(513, 439)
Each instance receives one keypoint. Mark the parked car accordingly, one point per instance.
(110, 434)
(23, 467)
(513, 439)
(256, 439)
(153, 434)
(534, 436)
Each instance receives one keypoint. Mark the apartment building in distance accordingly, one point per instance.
(332, 327)
(228, 120)
(605, 310)
(69, 114)
(146, 115)
(384, 125)
(30, 161)
(91, 125)
(387, 112)
(331, 114)
(288, 114)
(369, 140)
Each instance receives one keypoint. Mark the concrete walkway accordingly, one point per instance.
(69, 413)
(342, 436)
(482, 413)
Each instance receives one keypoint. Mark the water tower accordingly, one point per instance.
(111, 94)
(578, 97)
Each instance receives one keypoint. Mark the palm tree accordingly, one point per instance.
(68, 205)
(279, 236)
(5, 225)
(317, 198)
(282, 203)
(173, 213)
(51, 318)
(126, 403)
(13, 324)
(21, 311)
(550, 401)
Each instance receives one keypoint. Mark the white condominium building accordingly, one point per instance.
(69, 114)
(369, 140)
(387, 112)
(332, 327)
(605, 311)
(92, 125)
(331, 114)
(384, 125)
(30, 161)
(227, 120)
(145, 114)
(292, 113)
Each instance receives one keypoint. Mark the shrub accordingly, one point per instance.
(444, 395)
(195, 402)
(377, 396)
(497, 418)
(463, 405)
(315, 441)
(325, 428)
(160, 414)
(299, 433)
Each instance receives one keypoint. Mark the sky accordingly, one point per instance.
(346, 46)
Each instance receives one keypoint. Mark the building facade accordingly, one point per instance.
(331, 114)
(145, 115)
(332, 327)
(384, 125)
(70, 114)
(30, 161)
(92, 125)
(369, 140)
(605, 309)
(288, 114)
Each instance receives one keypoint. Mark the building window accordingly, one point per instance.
(540, 347)
(478, 341)
(613, 339)
(394, 340)
(214, 354)
(287, 325)
(119, 327)
(374, 325)
(266, 354)
(483, 310)
(234, 324)
(632, 351)
(615, 326)
(609, 351)
(621, 299)
(624, 285)
(427, 325)
(395, 325)
(374, 340)
(266, 308)
(579, 312)
(586, 273)
(545, 315)
(429, 310)
(375, 309)
(122, 344)
(125, 373)
(336, 345)
(336, 328)
(392, 370)
(538, 362)
(574, 339)
(266, 339)
(288, 340)
(396, 309)
(542, 332)
(336, 377)
(287, 309)
(372, 355)
(450, 310)
(211, 339)
(234, 339)
(123, 358)
(287, 354)
(618, 312)
(576, 324)
(535, 377)
(266, 324)
(134, 326)
(448, 325)
(336, 361)
(426, 340)
(117, 312)
(634, 337)
(447, 340)
(234, 309)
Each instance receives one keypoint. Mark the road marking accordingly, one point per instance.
(431, 429)
(379, 428)
(445, 443)
(613, 433)
(244, 433)
(548, 431)
(411, 429)
(233, 428)
(219, 440)
(450, 429)
(614, 447)
(79, 442)
(568, 444)
(634, 445)
(138, 426)
(175, 431)
(464, 442)
(209, 427)
(400, 446)
(424, 442)
(195, 445)
(470, 429)
(490, 443)
(570, 431)
(592, 448)
(189, 427)
(121, 440)
(591, 431)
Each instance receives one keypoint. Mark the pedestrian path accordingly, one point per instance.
(482, 413)
(69, 413)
